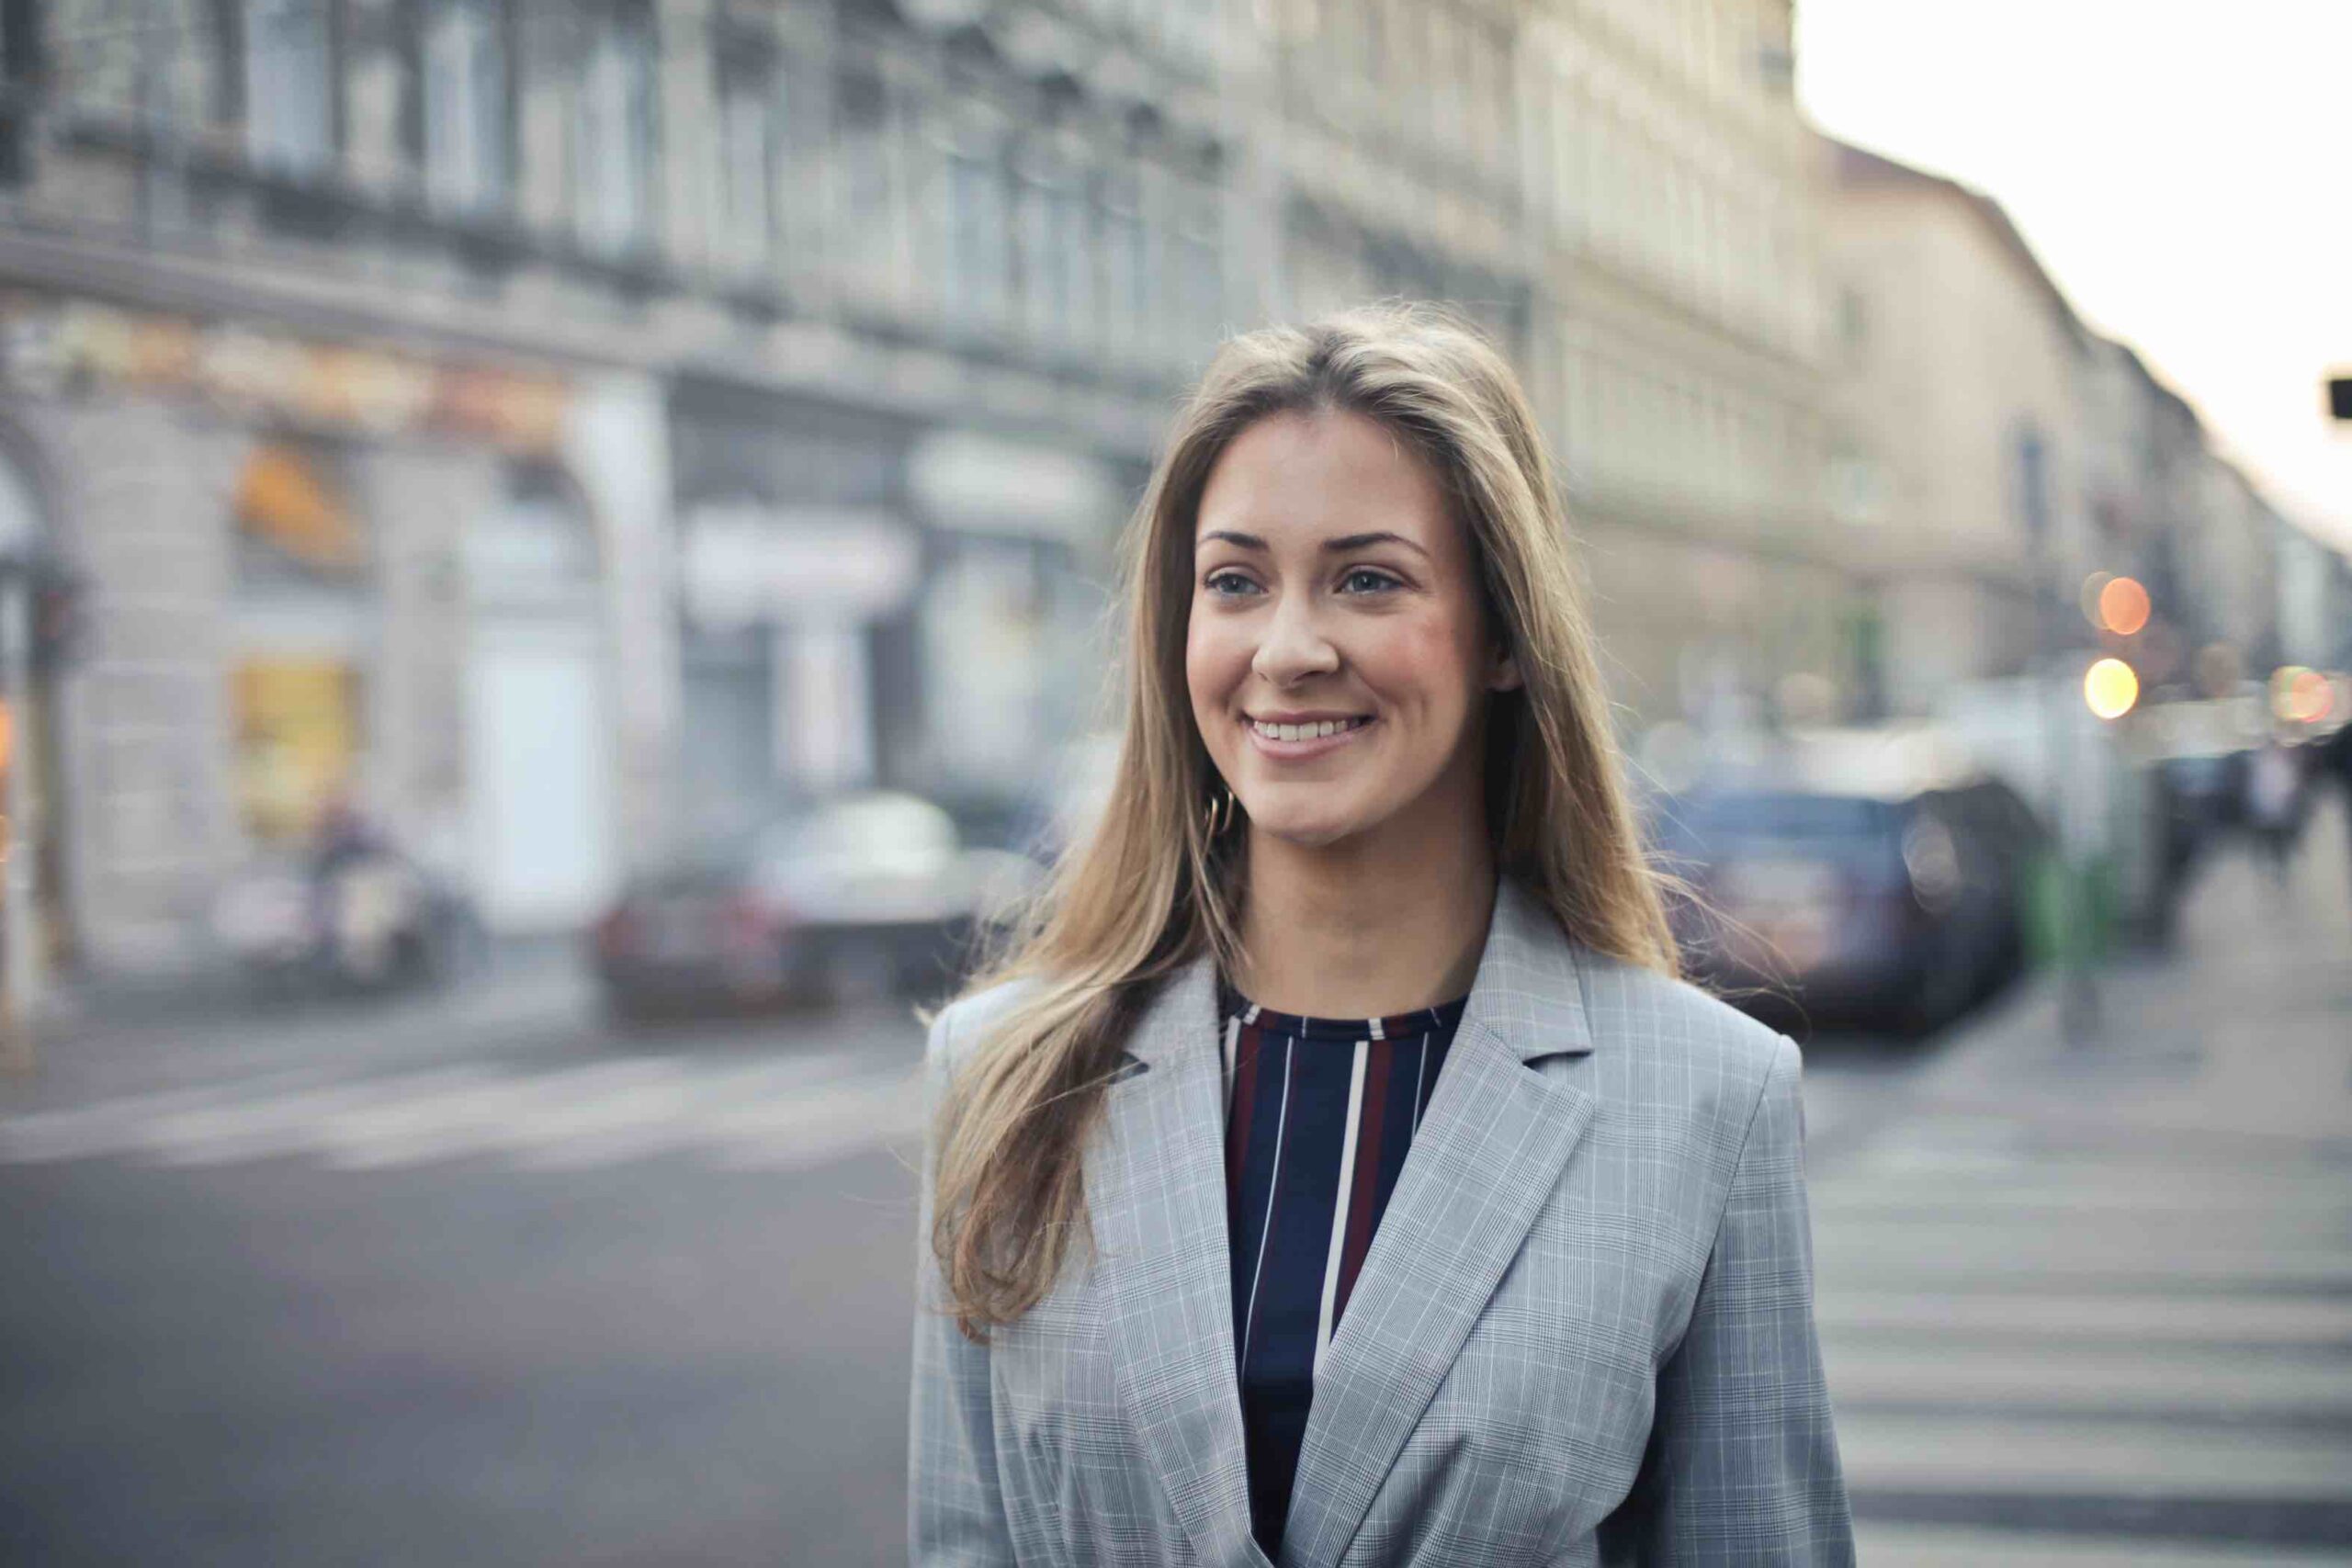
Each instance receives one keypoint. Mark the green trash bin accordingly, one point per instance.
(2069, 910)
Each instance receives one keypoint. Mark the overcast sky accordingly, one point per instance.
(2182, 168)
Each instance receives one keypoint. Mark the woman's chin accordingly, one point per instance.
(1303, 828)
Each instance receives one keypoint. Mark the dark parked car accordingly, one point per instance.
(1897, 907)
(867, 893)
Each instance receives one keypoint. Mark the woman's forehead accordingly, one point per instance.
(1298, 478)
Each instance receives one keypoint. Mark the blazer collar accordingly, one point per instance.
(1527, 991)
(1488, 1151)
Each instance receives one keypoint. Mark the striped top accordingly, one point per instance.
(1319, 1114)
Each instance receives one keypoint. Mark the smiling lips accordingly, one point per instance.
(1307, 736)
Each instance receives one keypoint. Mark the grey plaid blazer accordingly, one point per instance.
(1583, 1334)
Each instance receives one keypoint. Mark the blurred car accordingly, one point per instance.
(864, 895)
(1897, 906)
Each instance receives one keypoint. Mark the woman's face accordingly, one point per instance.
(1335, 651)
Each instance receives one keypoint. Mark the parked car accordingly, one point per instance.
(867, 893)
(1898, 907)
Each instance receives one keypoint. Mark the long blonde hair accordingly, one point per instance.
(1151, 889)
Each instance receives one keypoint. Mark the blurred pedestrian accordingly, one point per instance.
(1366, 879)
(2273, 793)
(2335, 758)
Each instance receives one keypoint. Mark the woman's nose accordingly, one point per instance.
(1294, 648)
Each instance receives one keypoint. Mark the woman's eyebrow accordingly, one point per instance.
(1339, 545)
(1365, 541)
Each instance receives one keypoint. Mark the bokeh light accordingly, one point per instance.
(2123, 606)
(2110, 688)
(2299, 696)
(2093, 586)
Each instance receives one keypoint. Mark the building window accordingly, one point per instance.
(976, 232)
(303, 621)
(613, 172)
(1057, 257)
(869, 175)
(1200, 271)
(290, 85)
(751, 112)
(96, 54)
(1853, 321)
(1128, 269)
(466, 145)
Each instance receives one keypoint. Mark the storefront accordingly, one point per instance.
(866, 600)
(316, 573)
(1012, 657)
(540, 823)
(797, 574)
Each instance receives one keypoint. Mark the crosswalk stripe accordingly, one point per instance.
(1874, 1252)
(2204, 1199)
(1966, 1378)
(2060, 1319)
(2022, 1454)
(791, 1111)
(1928, 1546)
(883, 1107)
(2121, 1331)
(274, 1124)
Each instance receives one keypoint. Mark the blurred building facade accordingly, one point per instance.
(572, 429)
(1624, 195)
(1671, 190)
(1961, 452)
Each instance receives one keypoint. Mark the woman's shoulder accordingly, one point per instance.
(1665, 1034)
(963, 1024)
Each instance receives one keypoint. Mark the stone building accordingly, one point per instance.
(1960, 409)
(1625, 196)
(572, 429)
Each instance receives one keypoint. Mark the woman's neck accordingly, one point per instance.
(1367, 930)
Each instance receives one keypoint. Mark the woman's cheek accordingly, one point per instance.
(1419, 651)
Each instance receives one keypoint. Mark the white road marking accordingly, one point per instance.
(768, 1113)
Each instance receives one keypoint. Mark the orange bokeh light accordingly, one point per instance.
(2303, 696)
(2123, 606)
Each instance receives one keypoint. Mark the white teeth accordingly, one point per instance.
(1314, 731)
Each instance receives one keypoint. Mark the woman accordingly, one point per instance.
(1336, 1172)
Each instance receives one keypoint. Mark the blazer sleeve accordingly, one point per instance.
(1742, 1464)
(954, 1507)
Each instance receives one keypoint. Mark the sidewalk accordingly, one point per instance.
(99, 1044)
(2241, 1030)
(2086, 1305)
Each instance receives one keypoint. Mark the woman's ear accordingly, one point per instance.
(1502, 671)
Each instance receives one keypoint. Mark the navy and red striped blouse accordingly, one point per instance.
(1319, 1114)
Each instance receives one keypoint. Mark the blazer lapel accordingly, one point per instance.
(1488, 1153)
(1156, 1198)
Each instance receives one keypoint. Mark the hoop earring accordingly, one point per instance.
(1218, 815)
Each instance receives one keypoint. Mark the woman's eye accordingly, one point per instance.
(1229, 584)
(1364, 580)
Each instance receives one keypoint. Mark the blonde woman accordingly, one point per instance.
(1336, 1172)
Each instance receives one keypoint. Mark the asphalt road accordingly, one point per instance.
(482, 1282)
